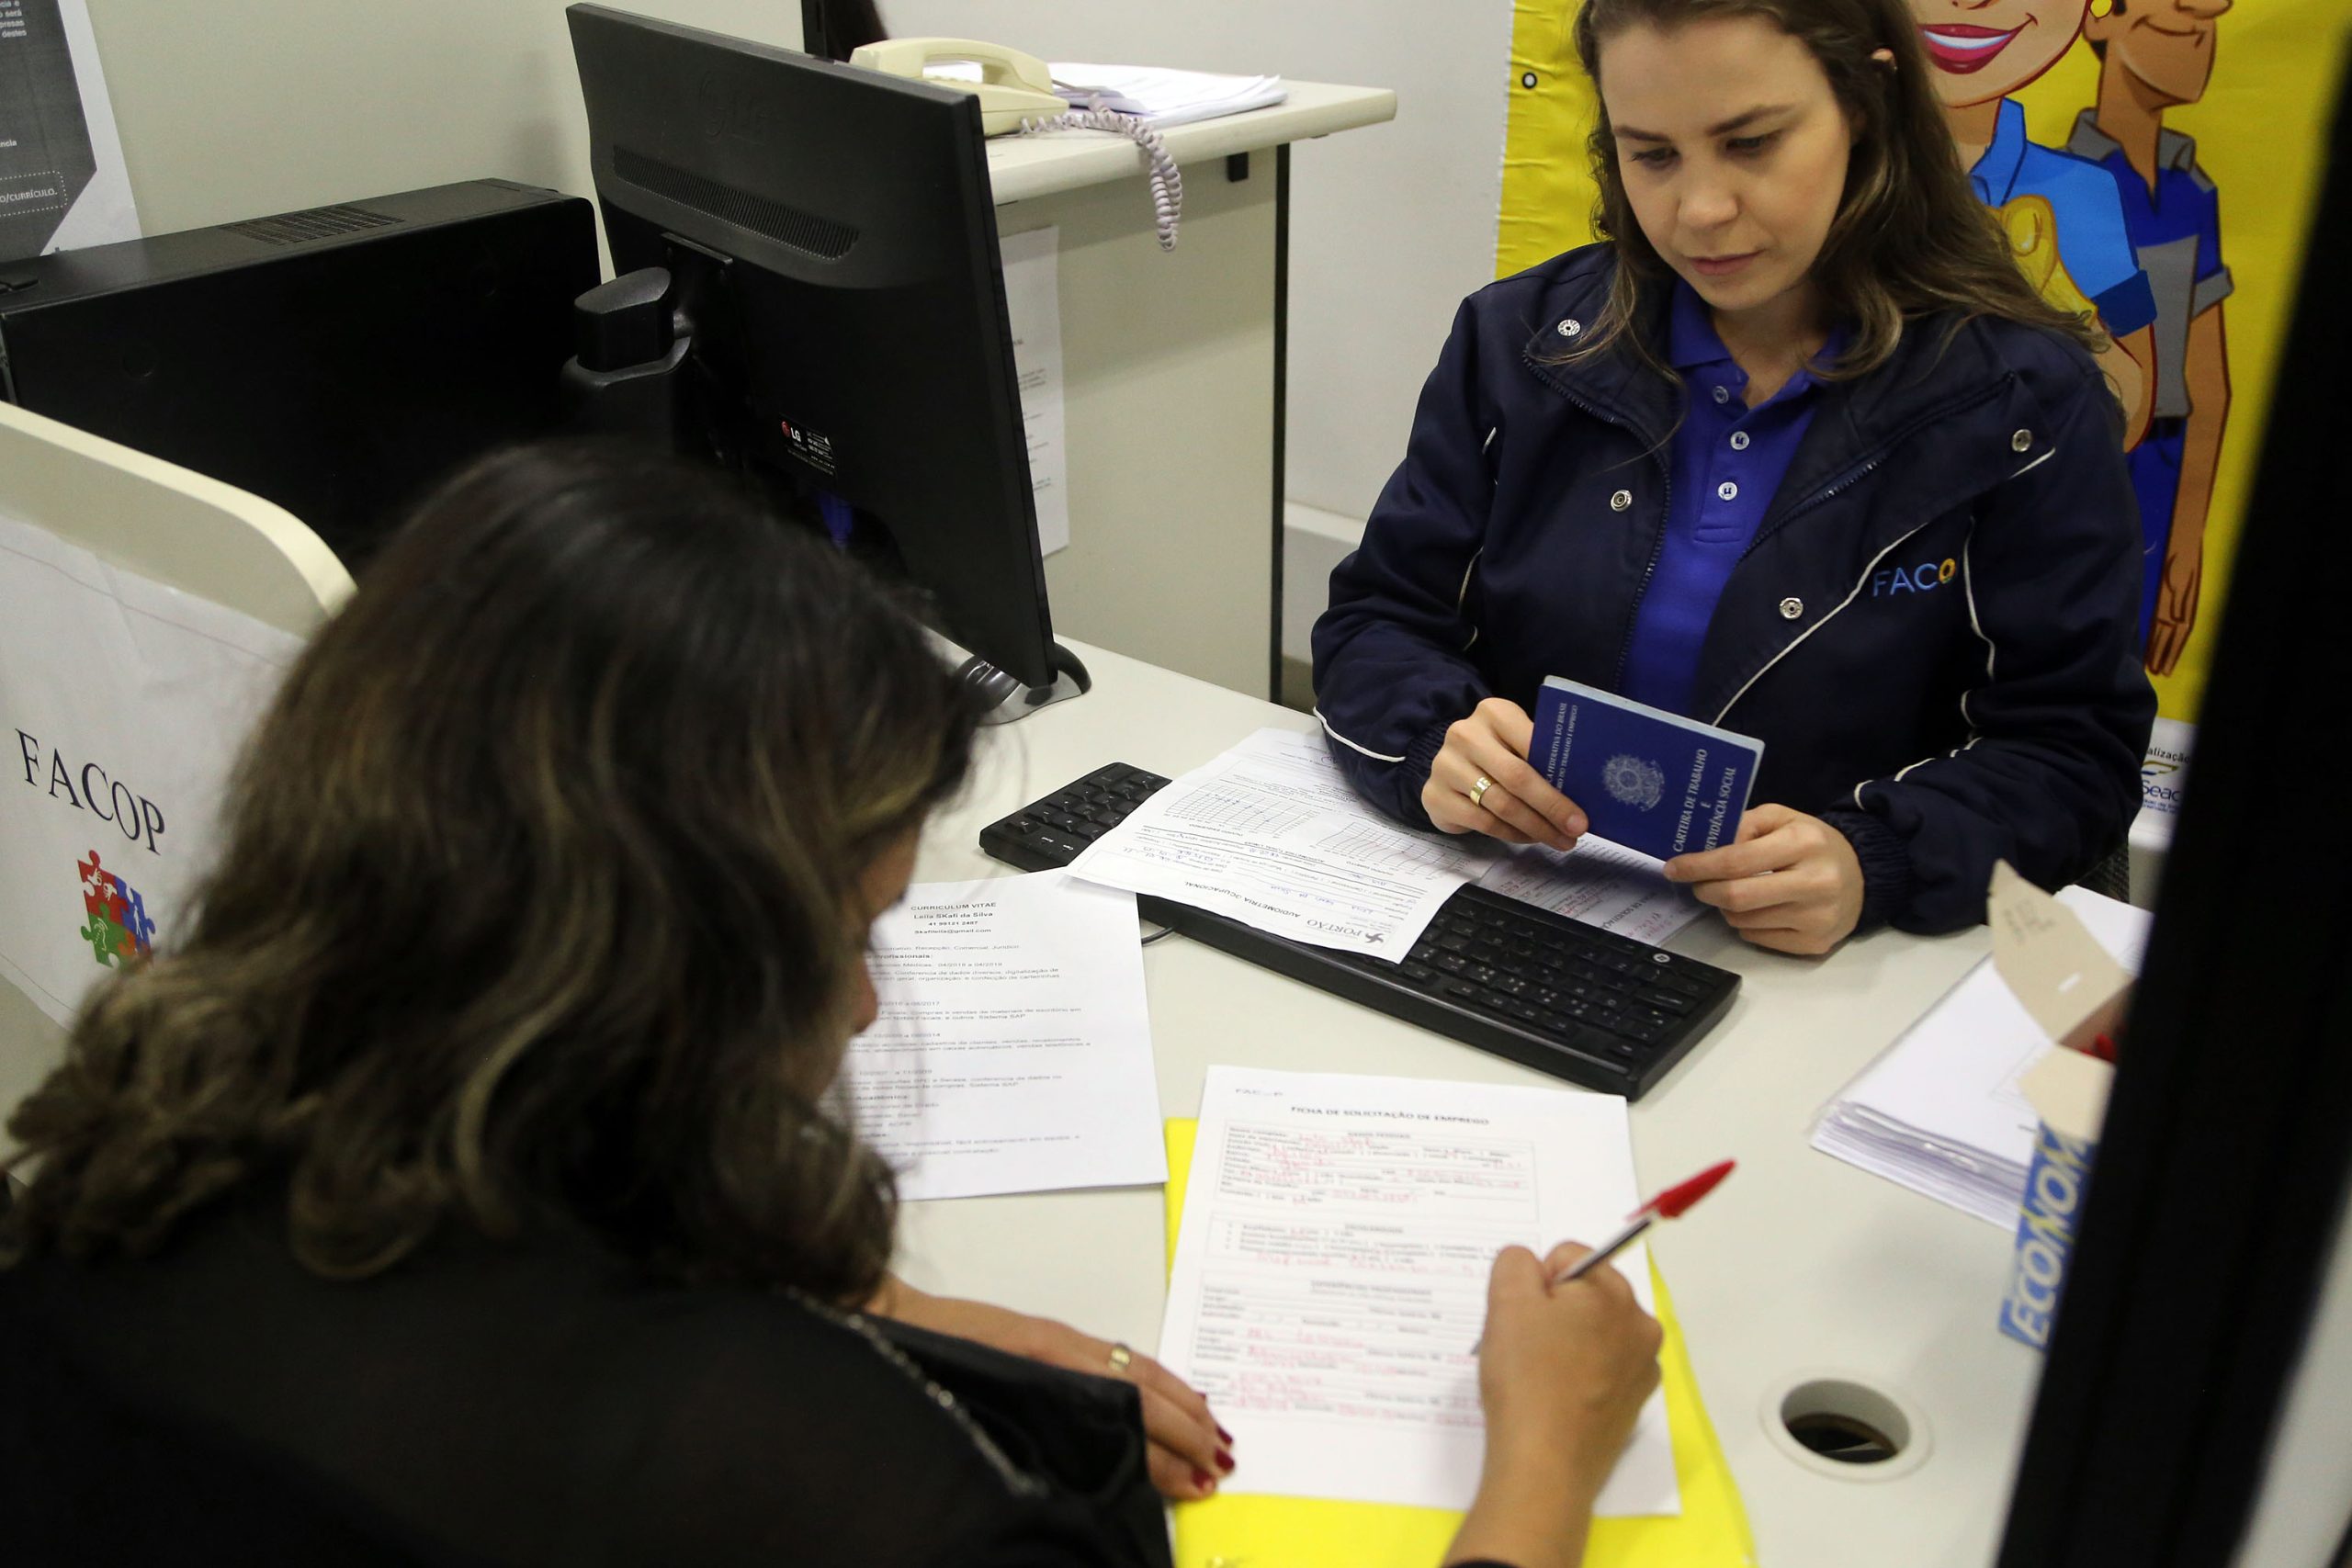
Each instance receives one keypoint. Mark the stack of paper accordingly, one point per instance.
(1941, 1111)
(1163, 97)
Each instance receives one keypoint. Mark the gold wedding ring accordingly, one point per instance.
(1120, 1355)
(1479, 791)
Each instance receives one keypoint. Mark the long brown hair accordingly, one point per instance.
(1910, 239)
(535, 903)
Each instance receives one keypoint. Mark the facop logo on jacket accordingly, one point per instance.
(1920, 579)
(118, 928)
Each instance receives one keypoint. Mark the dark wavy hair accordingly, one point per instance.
(536, 901)
(1910, 240)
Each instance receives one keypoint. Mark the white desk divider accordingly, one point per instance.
(145, 612)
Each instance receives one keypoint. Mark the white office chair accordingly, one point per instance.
(171, 527)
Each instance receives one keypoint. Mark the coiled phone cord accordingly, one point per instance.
(1167, 179)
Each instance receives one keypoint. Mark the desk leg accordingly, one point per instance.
(1282, 394)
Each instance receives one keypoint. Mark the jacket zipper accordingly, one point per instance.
(1855, 473)
(1657, 539)
(1852, 476)
(1835, 612)
(1649, 568)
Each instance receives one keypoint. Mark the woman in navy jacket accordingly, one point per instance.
(1798, 453)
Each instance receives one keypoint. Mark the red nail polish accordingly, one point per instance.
(1225, 1435)
(1203, 1480)
(1225, 1461)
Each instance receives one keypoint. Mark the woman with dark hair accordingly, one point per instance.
(1795, 451)
(469, 1186)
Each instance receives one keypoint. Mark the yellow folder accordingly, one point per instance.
(1244, 1532)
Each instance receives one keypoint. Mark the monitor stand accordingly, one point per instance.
(1003, 697)
(634, 338)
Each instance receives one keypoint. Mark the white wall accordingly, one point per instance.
(236, 108)
(1390, 226)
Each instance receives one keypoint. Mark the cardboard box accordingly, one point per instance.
(2068, 1091)
(2077, 993)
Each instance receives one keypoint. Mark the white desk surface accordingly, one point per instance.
(1021, 167)
(1800, 1264)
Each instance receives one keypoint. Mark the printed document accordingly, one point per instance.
(1941, 1111)
(63, 184)
(1272, 834)
(1161, 97)
(1331, 1268)
(1012, 1052)
(1034, 308)
(1599, 883)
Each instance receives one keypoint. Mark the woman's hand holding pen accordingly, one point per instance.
(1563, 1369)
(1481, 783)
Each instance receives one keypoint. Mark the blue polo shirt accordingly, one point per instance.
(2093, 243)
(1726, 460)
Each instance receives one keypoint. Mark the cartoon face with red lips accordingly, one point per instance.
(2061, 214)
(1989, 49)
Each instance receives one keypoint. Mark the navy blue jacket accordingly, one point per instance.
(1932, 631)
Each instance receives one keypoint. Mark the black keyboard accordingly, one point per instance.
(1546, 991)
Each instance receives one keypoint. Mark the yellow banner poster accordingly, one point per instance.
(2207, 120)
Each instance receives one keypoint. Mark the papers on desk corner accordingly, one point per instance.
(1599, 883)
(1271, 834)
(1330, 1274)
(1940, 1110)
(1161, 97)
(1033, 309)
(1012, 1052)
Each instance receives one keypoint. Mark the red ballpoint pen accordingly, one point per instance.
(1667, 1205)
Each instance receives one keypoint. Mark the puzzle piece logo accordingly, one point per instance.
(116, 924)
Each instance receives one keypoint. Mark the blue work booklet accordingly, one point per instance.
(1650, 780)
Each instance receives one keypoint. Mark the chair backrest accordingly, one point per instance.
(150, 526)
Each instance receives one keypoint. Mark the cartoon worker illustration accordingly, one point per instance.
(2155, 55)
(2063, 215)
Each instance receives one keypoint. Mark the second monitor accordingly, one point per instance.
(810, 292)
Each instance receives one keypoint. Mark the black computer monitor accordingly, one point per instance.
(2219, 1192)
(812, 294)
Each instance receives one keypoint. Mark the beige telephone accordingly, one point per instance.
(1016, 91)
(1012, 86)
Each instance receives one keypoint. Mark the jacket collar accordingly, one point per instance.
(1615, 384)
(1691, 337)
(1692, 344)
(1933, 371)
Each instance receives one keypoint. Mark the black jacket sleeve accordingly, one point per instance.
(2049, 778)
(1392, 663)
